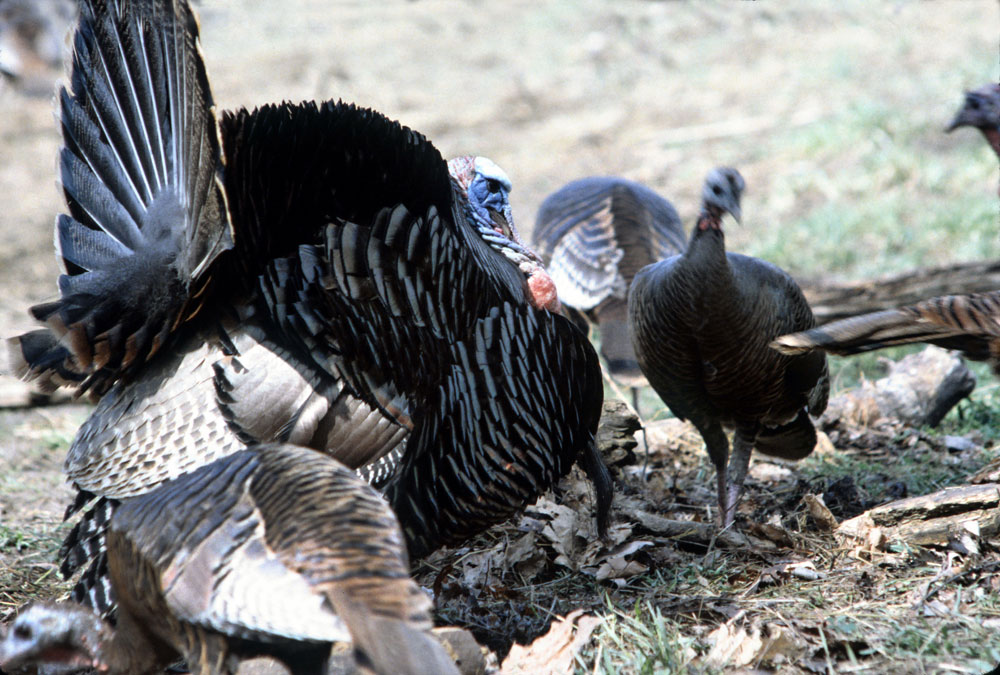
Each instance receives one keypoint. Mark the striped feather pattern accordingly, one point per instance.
(970, 323)
(594, 235)
(272, 544)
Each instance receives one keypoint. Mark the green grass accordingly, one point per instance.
(878, 196)
(641, 640)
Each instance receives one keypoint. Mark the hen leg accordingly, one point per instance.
(739, 463)
(718, 451)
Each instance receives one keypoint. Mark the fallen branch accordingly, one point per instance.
(929, 520)
(830, 302)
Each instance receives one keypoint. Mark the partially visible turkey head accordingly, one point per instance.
(487, 190)
(65, 635)
(982, 111)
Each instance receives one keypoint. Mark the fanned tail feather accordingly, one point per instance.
(863, 333)
(38, 356)
(140, 169)
(970, 323)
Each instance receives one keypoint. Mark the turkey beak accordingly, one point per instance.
(736, 213)
(500, 222)
(970, 113)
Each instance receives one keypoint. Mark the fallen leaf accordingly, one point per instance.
(554, 652)
(733, 646)
(820, 513)
(739, 646)
(617, 566)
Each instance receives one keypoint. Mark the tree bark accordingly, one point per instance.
(929, 520)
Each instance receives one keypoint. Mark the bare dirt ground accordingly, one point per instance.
(834, 114)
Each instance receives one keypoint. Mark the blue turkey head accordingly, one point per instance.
(722, 191)
(486, 188)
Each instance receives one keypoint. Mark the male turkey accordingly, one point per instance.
(304, 273)
(982, 111)
(701, 325)
(274, 550)
(970, 323)
(593, 235)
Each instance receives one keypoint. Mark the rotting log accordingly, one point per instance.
(929, 520)
(832, 301)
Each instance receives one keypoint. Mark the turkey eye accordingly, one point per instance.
(492, 185)
(717, 190)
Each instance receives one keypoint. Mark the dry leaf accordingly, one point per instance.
(560, 531)
(738, 646)
(732, 646)
(820, 513)
(554, 652)
(617, 567)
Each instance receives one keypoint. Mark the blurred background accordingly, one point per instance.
(834, 112)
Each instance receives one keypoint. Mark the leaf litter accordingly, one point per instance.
(782, 593)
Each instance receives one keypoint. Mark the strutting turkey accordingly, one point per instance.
(304, 273)
(275, 550)
(593, 235)
(701, 325)
(970, 323)
(981, 110)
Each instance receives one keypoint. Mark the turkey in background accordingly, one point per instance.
(702, 323)
(981, 110)
(594, 234)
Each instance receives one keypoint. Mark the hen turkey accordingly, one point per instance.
(981, 110)
(593, 235)
(276, 550)
(701, 324)
(306, 273)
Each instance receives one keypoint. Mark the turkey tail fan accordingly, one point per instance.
(140, 168)
(595, 234)
(970, 323)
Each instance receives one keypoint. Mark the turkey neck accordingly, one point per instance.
(992, 135)
(705, 259)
